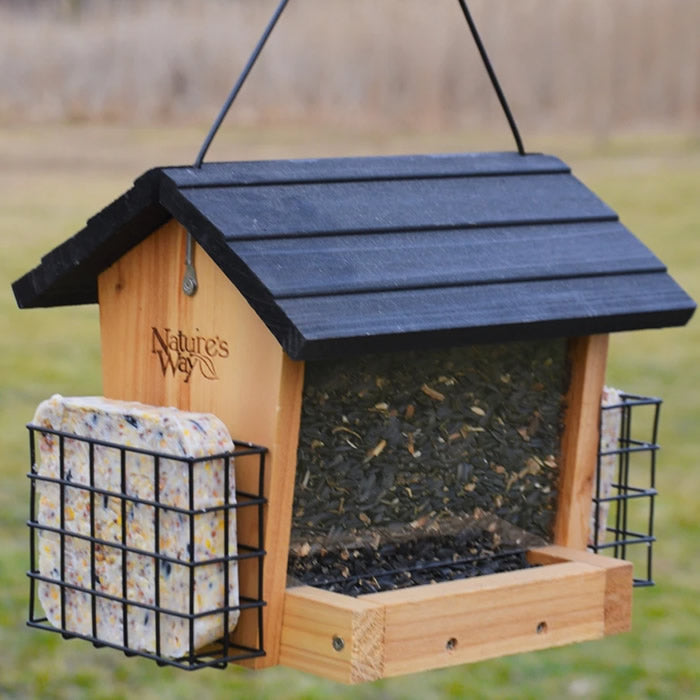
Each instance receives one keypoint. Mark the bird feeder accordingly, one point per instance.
(419, 345)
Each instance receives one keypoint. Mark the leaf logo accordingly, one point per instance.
(206, 367)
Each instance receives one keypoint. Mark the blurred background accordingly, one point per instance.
(94, 92)
(594, 65)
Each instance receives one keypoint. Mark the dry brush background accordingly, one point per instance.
(596, 65)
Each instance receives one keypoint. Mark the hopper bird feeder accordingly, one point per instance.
(419, 343)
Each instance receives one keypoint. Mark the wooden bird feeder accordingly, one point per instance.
(420, 342)
(362, 292)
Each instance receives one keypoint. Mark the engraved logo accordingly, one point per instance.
(181, 354)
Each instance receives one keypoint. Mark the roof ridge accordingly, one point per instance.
(376, 178)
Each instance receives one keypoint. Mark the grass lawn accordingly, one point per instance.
(55, 177)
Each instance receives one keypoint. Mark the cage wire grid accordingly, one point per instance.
(216, 654)
(614, 532)
(616, 529)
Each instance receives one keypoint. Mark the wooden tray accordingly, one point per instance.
(574, 596)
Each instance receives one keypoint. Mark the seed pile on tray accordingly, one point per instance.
(431, 559)
(415, 441)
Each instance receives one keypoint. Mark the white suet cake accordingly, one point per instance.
(160, 430)
(610, 424)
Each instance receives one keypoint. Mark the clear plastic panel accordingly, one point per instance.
(407, 460)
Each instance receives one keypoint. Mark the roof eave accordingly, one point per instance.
(327, 348)
(67, 275)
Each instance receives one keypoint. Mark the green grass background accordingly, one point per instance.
(53, 178)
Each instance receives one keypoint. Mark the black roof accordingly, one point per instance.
(349, 255)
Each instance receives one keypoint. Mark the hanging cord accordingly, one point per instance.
(266, 35)
(239, 83)
(492, 75)
(189, 281)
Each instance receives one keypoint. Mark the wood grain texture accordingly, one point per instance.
(314, 618)
(588, 357)
(427, 627)
(619, 582)
(491, 616)
(256, 389)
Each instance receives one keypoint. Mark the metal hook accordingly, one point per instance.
(189, 281)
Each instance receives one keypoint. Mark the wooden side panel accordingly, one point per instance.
(209, 352)
(476, 619)
(313, 619)
(588, 356)
(618, 582)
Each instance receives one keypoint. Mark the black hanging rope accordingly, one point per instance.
(239, 83)
(492, 75)
(266, 35)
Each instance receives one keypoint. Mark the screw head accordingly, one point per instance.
(189, 286)
(338, 643)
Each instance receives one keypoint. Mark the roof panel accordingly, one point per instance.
(339, 264)
(393, 320)
(367, 254)
(395, 205)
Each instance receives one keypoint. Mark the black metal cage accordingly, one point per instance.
(157, 594)
(623, 503)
